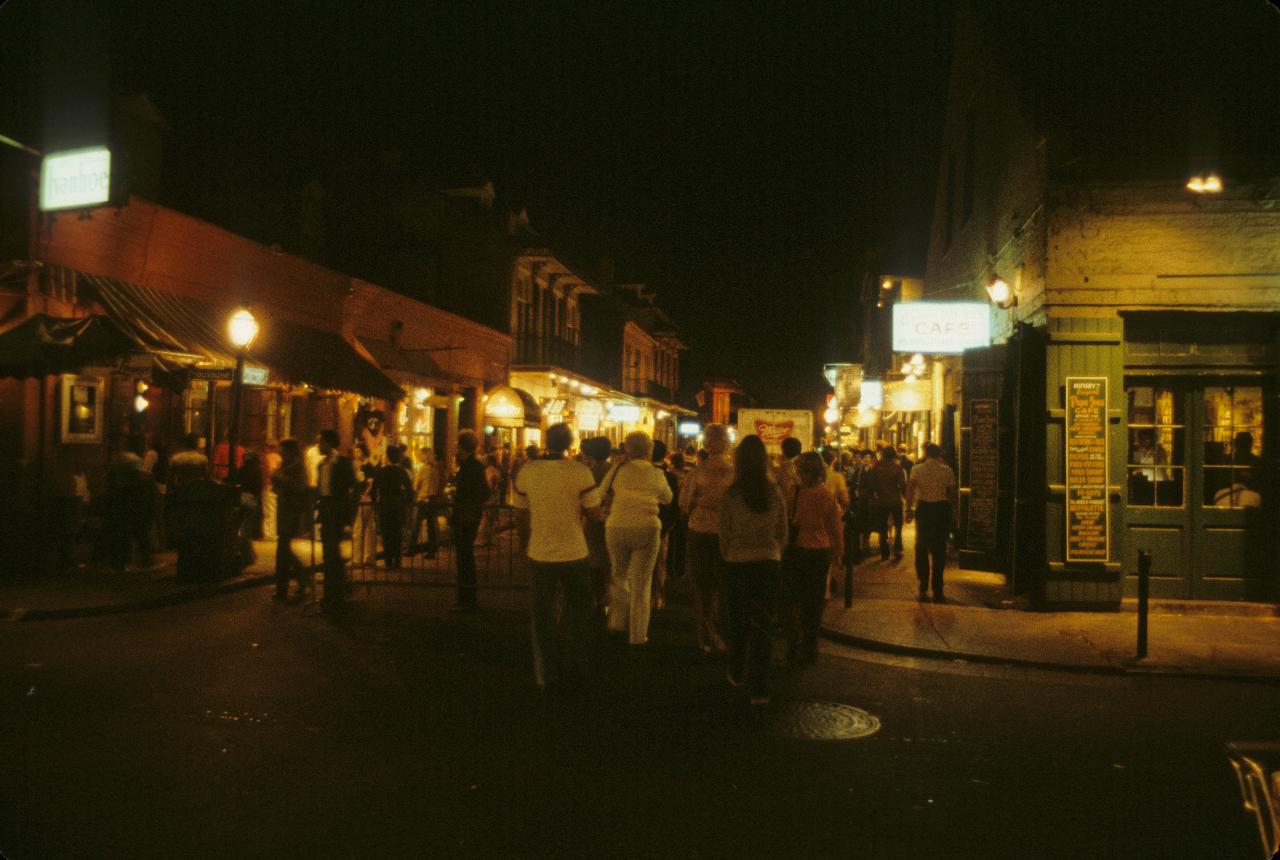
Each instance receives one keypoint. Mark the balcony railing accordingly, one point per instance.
(547, 351)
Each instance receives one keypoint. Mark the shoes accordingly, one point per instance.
(923, 596)
(937, 598)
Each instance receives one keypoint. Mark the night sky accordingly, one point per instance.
(747, 160)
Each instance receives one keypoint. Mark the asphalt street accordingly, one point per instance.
(240, 727)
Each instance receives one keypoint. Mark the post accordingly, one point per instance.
(1144, 592)
(233, 430)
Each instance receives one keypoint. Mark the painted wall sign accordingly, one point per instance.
(940, 327)
(984, 472)
(75, 179)
(1088, 524)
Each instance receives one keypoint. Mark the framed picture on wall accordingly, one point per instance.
(82, 412)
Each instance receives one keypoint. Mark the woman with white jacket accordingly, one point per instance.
(632, 492)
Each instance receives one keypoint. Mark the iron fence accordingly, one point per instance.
(424, 560)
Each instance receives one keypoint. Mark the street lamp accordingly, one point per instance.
(1001, 293)
(243, 330)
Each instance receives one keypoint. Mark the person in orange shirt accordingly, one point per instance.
(815, 547)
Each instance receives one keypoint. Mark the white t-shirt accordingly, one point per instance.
(638, 488)
(556, 492)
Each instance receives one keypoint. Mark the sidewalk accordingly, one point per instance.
(1189, 638)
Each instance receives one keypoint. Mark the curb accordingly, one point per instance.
(158, 602)
(1113, 670)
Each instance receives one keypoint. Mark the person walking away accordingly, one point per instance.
(814, 550)
(753, 532)
(289, 487)
(888, 485)
(700, 499)
(933, 501)
(595, 453)
(335, 509)
(785, 472)
(840, 490)
(554, 494)
(635, 489)
(130, 491)
(669, 517)
(392, 493)
(187, 463)
(426, 503)
(865, 505)
(472, 491)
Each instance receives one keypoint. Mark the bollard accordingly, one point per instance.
(1144, 592)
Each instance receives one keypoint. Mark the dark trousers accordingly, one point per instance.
(332, 525)
(464, 542)
(391, 525)
(287, 564)
(933, 523)
(753, 591)
(128, 525)
(557, 658)
(426, 512)
(886, 514)
(804, 577)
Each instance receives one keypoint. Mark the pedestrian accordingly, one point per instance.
(470, 494)
(554, 494)
(248, 478)
(933, 501)
(814, 550)
(888, 483)
(428, 493)
(669, 517)
(633, 492)
(335, 510)
(785, 472)
(700, 499)
(364, 528)
(129, 503)
(595, 453)
(904, 460)
(392, 495)
(492, 477)
(865, 510)
(289, 488)
(271, 461)
(187, 463)
(753, 532)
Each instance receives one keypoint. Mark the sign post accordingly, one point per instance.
(1088, 520)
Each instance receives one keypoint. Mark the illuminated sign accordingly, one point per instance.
(689, 428)
(940, 327)
(624, 413)
(908, 396)
(253, 375)
(75, 179)
(503, 407)
(588, 413)
(872, 394)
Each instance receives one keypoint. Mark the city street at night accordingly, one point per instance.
(239, 727)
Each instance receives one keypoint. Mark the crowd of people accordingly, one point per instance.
(761, 541)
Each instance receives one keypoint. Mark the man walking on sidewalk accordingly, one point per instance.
(555, 494)
(470, 493)
(933, 501)
(336, 481)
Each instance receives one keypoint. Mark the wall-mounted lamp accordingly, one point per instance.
(1002, 295)
(1210, 184)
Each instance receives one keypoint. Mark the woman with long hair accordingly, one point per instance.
(753, 533)
(814, 548)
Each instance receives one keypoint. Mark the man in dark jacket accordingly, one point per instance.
(392, 493)
(889, 483)
(289, 482)
(336, 480)
(470, 494)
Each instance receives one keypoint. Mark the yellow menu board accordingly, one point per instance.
(1088, 531)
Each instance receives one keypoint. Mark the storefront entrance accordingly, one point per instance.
(1194, 485)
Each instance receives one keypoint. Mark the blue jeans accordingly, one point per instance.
(556, 659)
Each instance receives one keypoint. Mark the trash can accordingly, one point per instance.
(206, 528)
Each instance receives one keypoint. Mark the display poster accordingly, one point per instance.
(774, 425)
(1088, 532)
(82, 417)
(984, 472)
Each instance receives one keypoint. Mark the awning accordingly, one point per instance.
(505, 406)
(413, 363)
(44, 345)
(191, 330)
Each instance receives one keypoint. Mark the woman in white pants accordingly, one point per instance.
(632, 491)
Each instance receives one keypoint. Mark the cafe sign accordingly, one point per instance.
(75, 179)
(1088, 529)
(940, 328)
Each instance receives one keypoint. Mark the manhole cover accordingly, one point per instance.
(824, 721)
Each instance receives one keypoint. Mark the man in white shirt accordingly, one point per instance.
(933, 499)
(554, 495)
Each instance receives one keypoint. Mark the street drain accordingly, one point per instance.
(823, 721)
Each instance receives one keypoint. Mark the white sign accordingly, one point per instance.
(75, 179)
(588, 413)
(872, 394)
(253, 375)
(940, 327)
(689, 428)
(624, 413)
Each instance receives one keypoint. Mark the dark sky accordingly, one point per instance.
(742, 158)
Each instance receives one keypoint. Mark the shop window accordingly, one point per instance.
(1156, 468)
(1232, 447)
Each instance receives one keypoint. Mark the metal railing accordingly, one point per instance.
(498, 556)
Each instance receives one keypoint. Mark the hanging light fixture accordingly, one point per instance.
(1001, 293)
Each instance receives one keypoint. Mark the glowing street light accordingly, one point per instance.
(1210, 184)
(243, 330)
(1000, 292)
